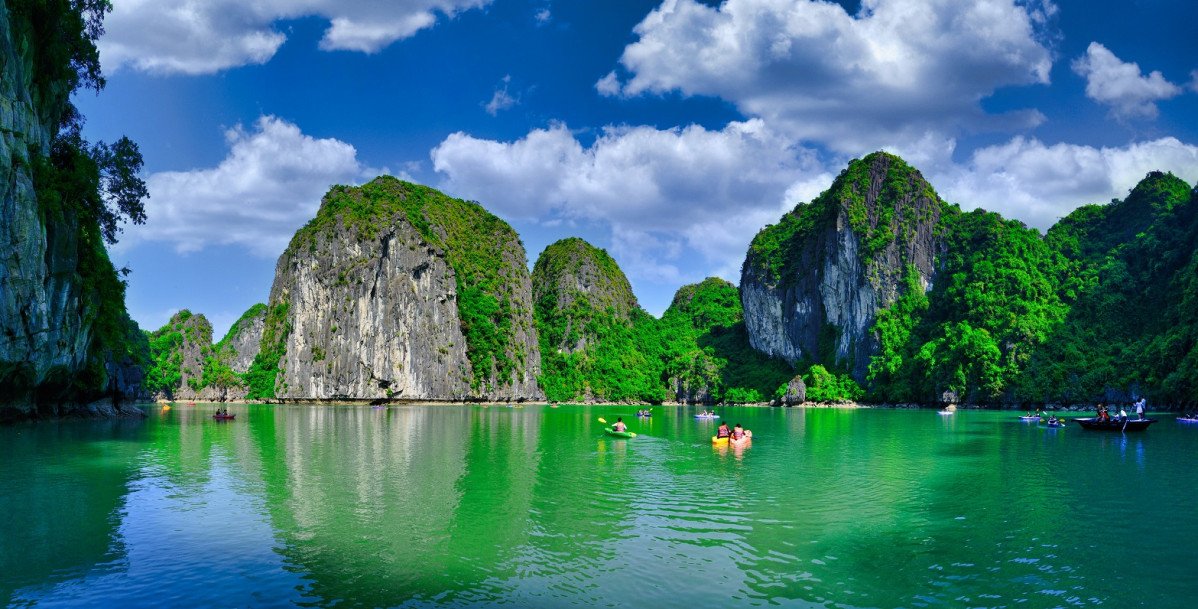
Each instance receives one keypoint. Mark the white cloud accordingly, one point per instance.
(1194, 80)
(184, 36)
(543, 16)
(660, 191)
(501, 100)
(1121, 85)
(897, 69)
(1036, 183)
(268, 186)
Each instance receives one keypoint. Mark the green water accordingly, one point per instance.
(534, 507)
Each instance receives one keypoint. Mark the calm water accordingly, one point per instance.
(478, 507)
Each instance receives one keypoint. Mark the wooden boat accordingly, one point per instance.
(224, 417)
(1115, 424)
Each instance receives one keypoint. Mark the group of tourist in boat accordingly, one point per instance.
(644, 413)
(736, 433)
(1104, 414)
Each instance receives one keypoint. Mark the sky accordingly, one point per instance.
(667, 132)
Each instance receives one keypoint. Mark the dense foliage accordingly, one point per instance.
(595, 341)
(477, 245)
(1102, 307)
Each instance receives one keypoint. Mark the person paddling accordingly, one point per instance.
(723, 431)
(619, 426)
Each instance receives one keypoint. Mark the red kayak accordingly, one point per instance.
(223, 417)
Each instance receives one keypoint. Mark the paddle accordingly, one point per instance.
(601, 420)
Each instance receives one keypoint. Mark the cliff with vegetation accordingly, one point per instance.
(398, 292)
(812, 285)
(67, 345)
(597, 344)
(889, 295)
(707, 353)
(186, 365)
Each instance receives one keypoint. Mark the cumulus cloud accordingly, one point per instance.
(183, 36)
(660, 191)
(1121, 85)
(895, 70)
(1037, 183)
(268, 186)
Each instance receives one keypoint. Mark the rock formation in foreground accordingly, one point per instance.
(398, 292)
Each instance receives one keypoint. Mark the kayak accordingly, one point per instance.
(1029, 418)
(224, 417)
(707, 416)
(619, 434)
(728, 439)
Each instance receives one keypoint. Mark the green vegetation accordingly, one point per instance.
(594, 342)
(1102, 307)
(263, 374)
(785, 250)
(475, 243)
(84, 190)
(699, 346)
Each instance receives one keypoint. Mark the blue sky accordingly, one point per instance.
(668, 132)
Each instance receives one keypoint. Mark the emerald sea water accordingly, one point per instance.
(466, 506)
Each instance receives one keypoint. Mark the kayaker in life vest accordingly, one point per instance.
(723, 431)
(619, 426)
(737, 432)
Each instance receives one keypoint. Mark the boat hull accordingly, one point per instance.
(619, 434)
(1115, 425)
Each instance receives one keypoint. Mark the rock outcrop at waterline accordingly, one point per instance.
(395, 291)
(813, 284)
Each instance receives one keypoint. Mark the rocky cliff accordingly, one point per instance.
(597, 343)
(57, 285)
(188, 366)
(573, 284)
(708, 357)
(813, 284)
(396, 291)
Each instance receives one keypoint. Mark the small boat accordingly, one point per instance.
(1055, 424)
(224, 417)
(944, 412)
(379, 407)
(707, 416)
(1115, 424)
(1035, 418)
(728, 439)
(191, 403)
(1187, 419)
(619, 434)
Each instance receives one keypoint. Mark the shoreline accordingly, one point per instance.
(818, 405)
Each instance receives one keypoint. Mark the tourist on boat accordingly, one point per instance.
(1140, 409)
(1122, 415)
(619, 426)
(1102, 414)
(738, 433)
(723, 431)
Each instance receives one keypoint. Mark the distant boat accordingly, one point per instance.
(1035, 418)
(224, 417)
(1115, 424)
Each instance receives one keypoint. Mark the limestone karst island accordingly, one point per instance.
(922, 370)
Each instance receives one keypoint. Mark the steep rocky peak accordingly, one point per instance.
(573, 269)
(819, 276)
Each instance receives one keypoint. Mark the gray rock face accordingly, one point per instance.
(835, 290)
(44, 327)
(796, 392)
(378, 318)
(244, 339)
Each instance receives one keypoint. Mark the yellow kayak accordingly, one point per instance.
(727, 439)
